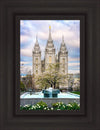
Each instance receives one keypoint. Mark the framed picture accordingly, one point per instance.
(49, 65)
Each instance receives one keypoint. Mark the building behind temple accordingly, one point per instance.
(50, 57)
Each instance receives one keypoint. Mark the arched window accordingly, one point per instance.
(36, 66)
(50, 59)
(36, 71)
(63, 60)
(63, 65)
(36, 60)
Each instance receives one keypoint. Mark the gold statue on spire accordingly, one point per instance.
(49, 27)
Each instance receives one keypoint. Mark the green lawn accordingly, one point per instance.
(76, 92)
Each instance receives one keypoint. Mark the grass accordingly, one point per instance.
(76, 92)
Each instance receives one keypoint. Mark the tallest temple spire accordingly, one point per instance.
(50, 44)
(50, 33)
(49, 51)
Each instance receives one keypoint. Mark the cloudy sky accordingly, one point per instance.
(70, 29)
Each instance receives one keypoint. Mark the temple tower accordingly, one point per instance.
(63, 59)
(49, 51)
(36, 54)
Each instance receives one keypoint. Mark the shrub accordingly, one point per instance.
(41, 106)
(55, 106)
(41, 103)
(22, 86)
(59, 106)
(26, 107)
(73, 106)
(62, 106)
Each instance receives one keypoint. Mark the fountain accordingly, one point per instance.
(48, 96)
(50, 92)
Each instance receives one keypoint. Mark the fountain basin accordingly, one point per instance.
(51, 92)
(26, 98)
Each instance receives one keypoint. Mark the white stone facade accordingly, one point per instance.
(36, 55)
(50, 57)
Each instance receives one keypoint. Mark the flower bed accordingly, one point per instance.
(55, 106)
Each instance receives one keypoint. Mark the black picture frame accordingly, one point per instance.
(82, 61)
(89, 115)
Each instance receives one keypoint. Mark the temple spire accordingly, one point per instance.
(62, 39)
(50, 33)
(63, 46)
(36, 39)
(36, 46)
(50, 45)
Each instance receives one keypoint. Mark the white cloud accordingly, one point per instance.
(58, 29)
(25, 38)
(25, 69)
(73, 64)
(73, 71)
(24, 63)
(72, 42)
(74, 59)
(22, 23)
(68, 28)
(26, 52)
(42, 35)
(74, 68)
